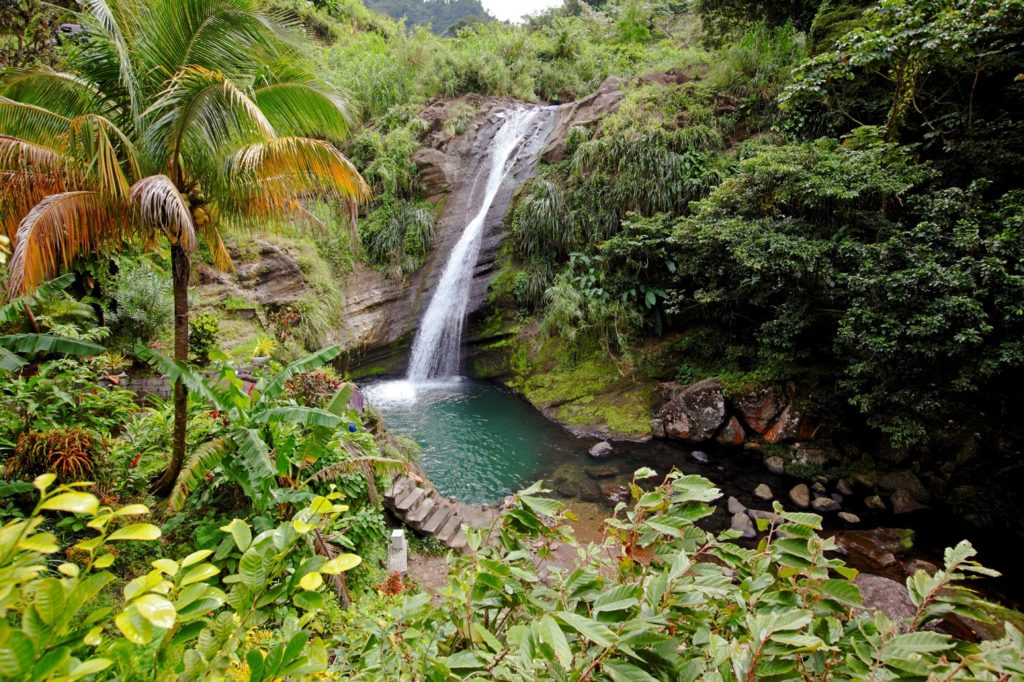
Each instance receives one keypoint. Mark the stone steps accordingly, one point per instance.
(422, 508)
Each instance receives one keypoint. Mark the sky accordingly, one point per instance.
(515, 10)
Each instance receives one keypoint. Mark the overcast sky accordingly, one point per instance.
(517, 9)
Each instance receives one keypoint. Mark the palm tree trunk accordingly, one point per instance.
(181, 268)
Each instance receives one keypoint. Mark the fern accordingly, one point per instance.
(205, 459)
(357, 465)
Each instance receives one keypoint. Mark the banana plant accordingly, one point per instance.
(15, 347)
(270, 447)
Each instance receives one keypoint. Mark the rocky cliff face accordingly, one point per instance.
(382, 313)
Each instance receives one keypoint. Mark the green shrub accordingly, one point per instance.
(203, 332)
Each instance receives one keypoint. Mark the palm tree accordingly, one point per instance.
(183, 116)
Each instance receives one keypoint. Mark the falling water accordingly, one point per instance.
(435, 352)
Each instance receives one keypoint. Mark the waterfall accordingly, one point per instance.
(436, 349)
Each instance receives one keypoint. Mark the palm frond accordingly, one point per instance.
(175, 372)
(269, 391)
(273, 174)
(205, 459)
(332, 472)
(161, 205)
(100, 145)
(66, 94)
(305, 109)
(56, 230)
(107, 18)
(200, 110)
(32, 123)
(226, 35)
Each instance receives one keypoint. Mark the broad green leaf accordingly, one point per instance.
(308, 601)
(132, 510)
(199, 573)
(90, 667)
(240, 532)
(43, 481)
(553, 636)
(341, 564)
(196, 557)
(134, 626)
(591, 629)
(17, 655)
(76, 503)
(136, 531)
(104, 561)
(157, 610)
(49, 599)
(311, 581)
(621, 671)
(43, 543)
(167, 566)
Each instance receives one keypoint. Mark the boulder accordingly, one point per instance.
(885, 595)
(874, 503)
(700, 456)
(602, 472)
(614, 493)
(878, 548)
(791, 425)
(732, 434)
(763, 492)
(823, 505)
(800, 495)
(658, 428)
(906, 481)
(848, 517)
(770, 517)
(818, 487)
(601, 450)
(567, 488)
(843, 487)
(273, 277)
(735, 506)
(904, 503)
(742, 523)
(696, 412)
(760, 407)
(776, 465)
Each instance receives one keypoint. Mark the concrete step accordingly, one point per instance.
(458, 543)
(450, 529)
(418, 514)
(398, 485)
(437, 519)
(409, 500)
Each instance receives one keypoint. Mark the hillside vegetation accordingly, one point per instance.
(818, 193)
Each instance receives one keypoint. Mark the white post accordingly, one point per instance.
(398, 553)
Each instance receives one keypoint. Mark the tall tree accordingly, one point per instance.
(182, 116)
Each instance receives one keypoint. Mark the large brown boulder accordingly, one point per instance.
(732, 433)
(759, 407)
(695, 413)
(885, 595)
